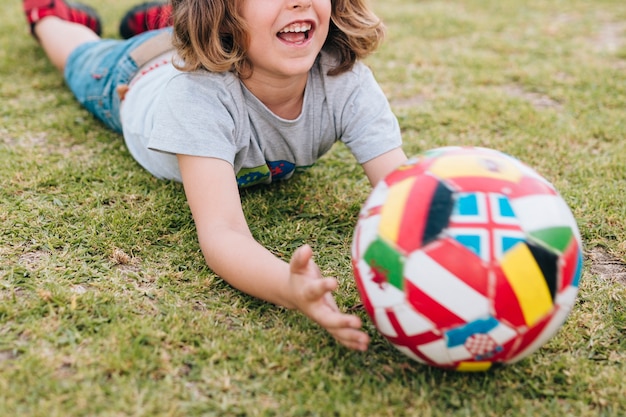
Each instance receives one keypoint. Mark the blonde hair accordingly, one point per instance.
(212, 34)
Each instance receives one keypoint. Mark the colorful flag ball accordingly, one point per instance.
(465, 257)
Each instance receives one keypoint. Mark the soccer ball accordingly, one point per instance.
(465, 257)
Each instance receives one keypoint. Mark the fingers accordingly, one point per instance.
(318, 289)
(302, 265)
(336, 321)
(316, 301)
(345, 328)
(352, 338)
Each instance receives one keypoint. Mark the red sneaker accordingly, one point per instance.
(145, 17)
(36, 10)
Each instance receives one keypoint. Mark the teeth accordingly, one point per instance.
(297, 27)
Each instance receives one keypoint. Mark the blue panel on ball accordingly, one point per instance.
(509, 241)
(504, 206)
(459, 335)
(472, 242)
(579, 268)
(467, 205)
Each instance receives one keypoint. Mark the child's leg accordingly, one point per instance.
(146, 16)
(95, 70)
(61, 26)
(60, 37)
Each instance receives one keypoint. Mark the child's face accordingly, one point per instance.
(285, 35)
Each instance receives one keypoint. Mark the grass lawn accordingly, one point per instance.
(107, 307)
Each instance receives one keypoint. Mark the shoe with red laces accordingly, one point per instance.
(36, 10)
(145, 17)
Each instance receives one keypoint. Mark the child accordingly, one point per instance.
(253, 90)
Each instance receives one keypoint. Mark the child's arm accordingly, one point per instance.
(378, 168)
(231, 252)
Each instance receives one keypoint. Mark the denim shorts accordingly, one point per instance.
(95, 69)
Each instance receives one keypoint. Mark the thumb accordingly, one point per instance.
(300, 259)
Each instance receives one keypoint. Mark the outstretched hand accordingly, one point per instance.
(312, 295)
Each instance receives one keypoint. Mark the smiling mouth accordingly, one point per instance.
(296, 33)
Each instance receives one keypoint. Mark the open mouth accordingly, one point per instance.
(296, 33)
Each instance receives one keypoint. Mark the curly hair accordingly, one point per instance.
(212, 34)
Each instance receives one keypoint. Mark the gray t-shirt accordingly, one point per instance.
(214, 115)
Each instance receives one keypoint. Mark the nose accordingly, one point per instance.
(300, 4)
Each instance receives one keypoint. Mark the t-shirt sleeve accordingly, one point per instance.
(369, 127)
(194, 116)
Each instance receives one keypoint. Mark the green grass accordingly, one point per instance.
(107, 307)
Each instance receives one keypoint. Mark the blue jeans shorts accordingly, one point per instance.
(95, 69)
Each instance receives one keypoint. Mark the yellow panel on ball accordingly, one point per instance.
(486, 166)
(391, 213)
(527, 282)
(478, 366)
